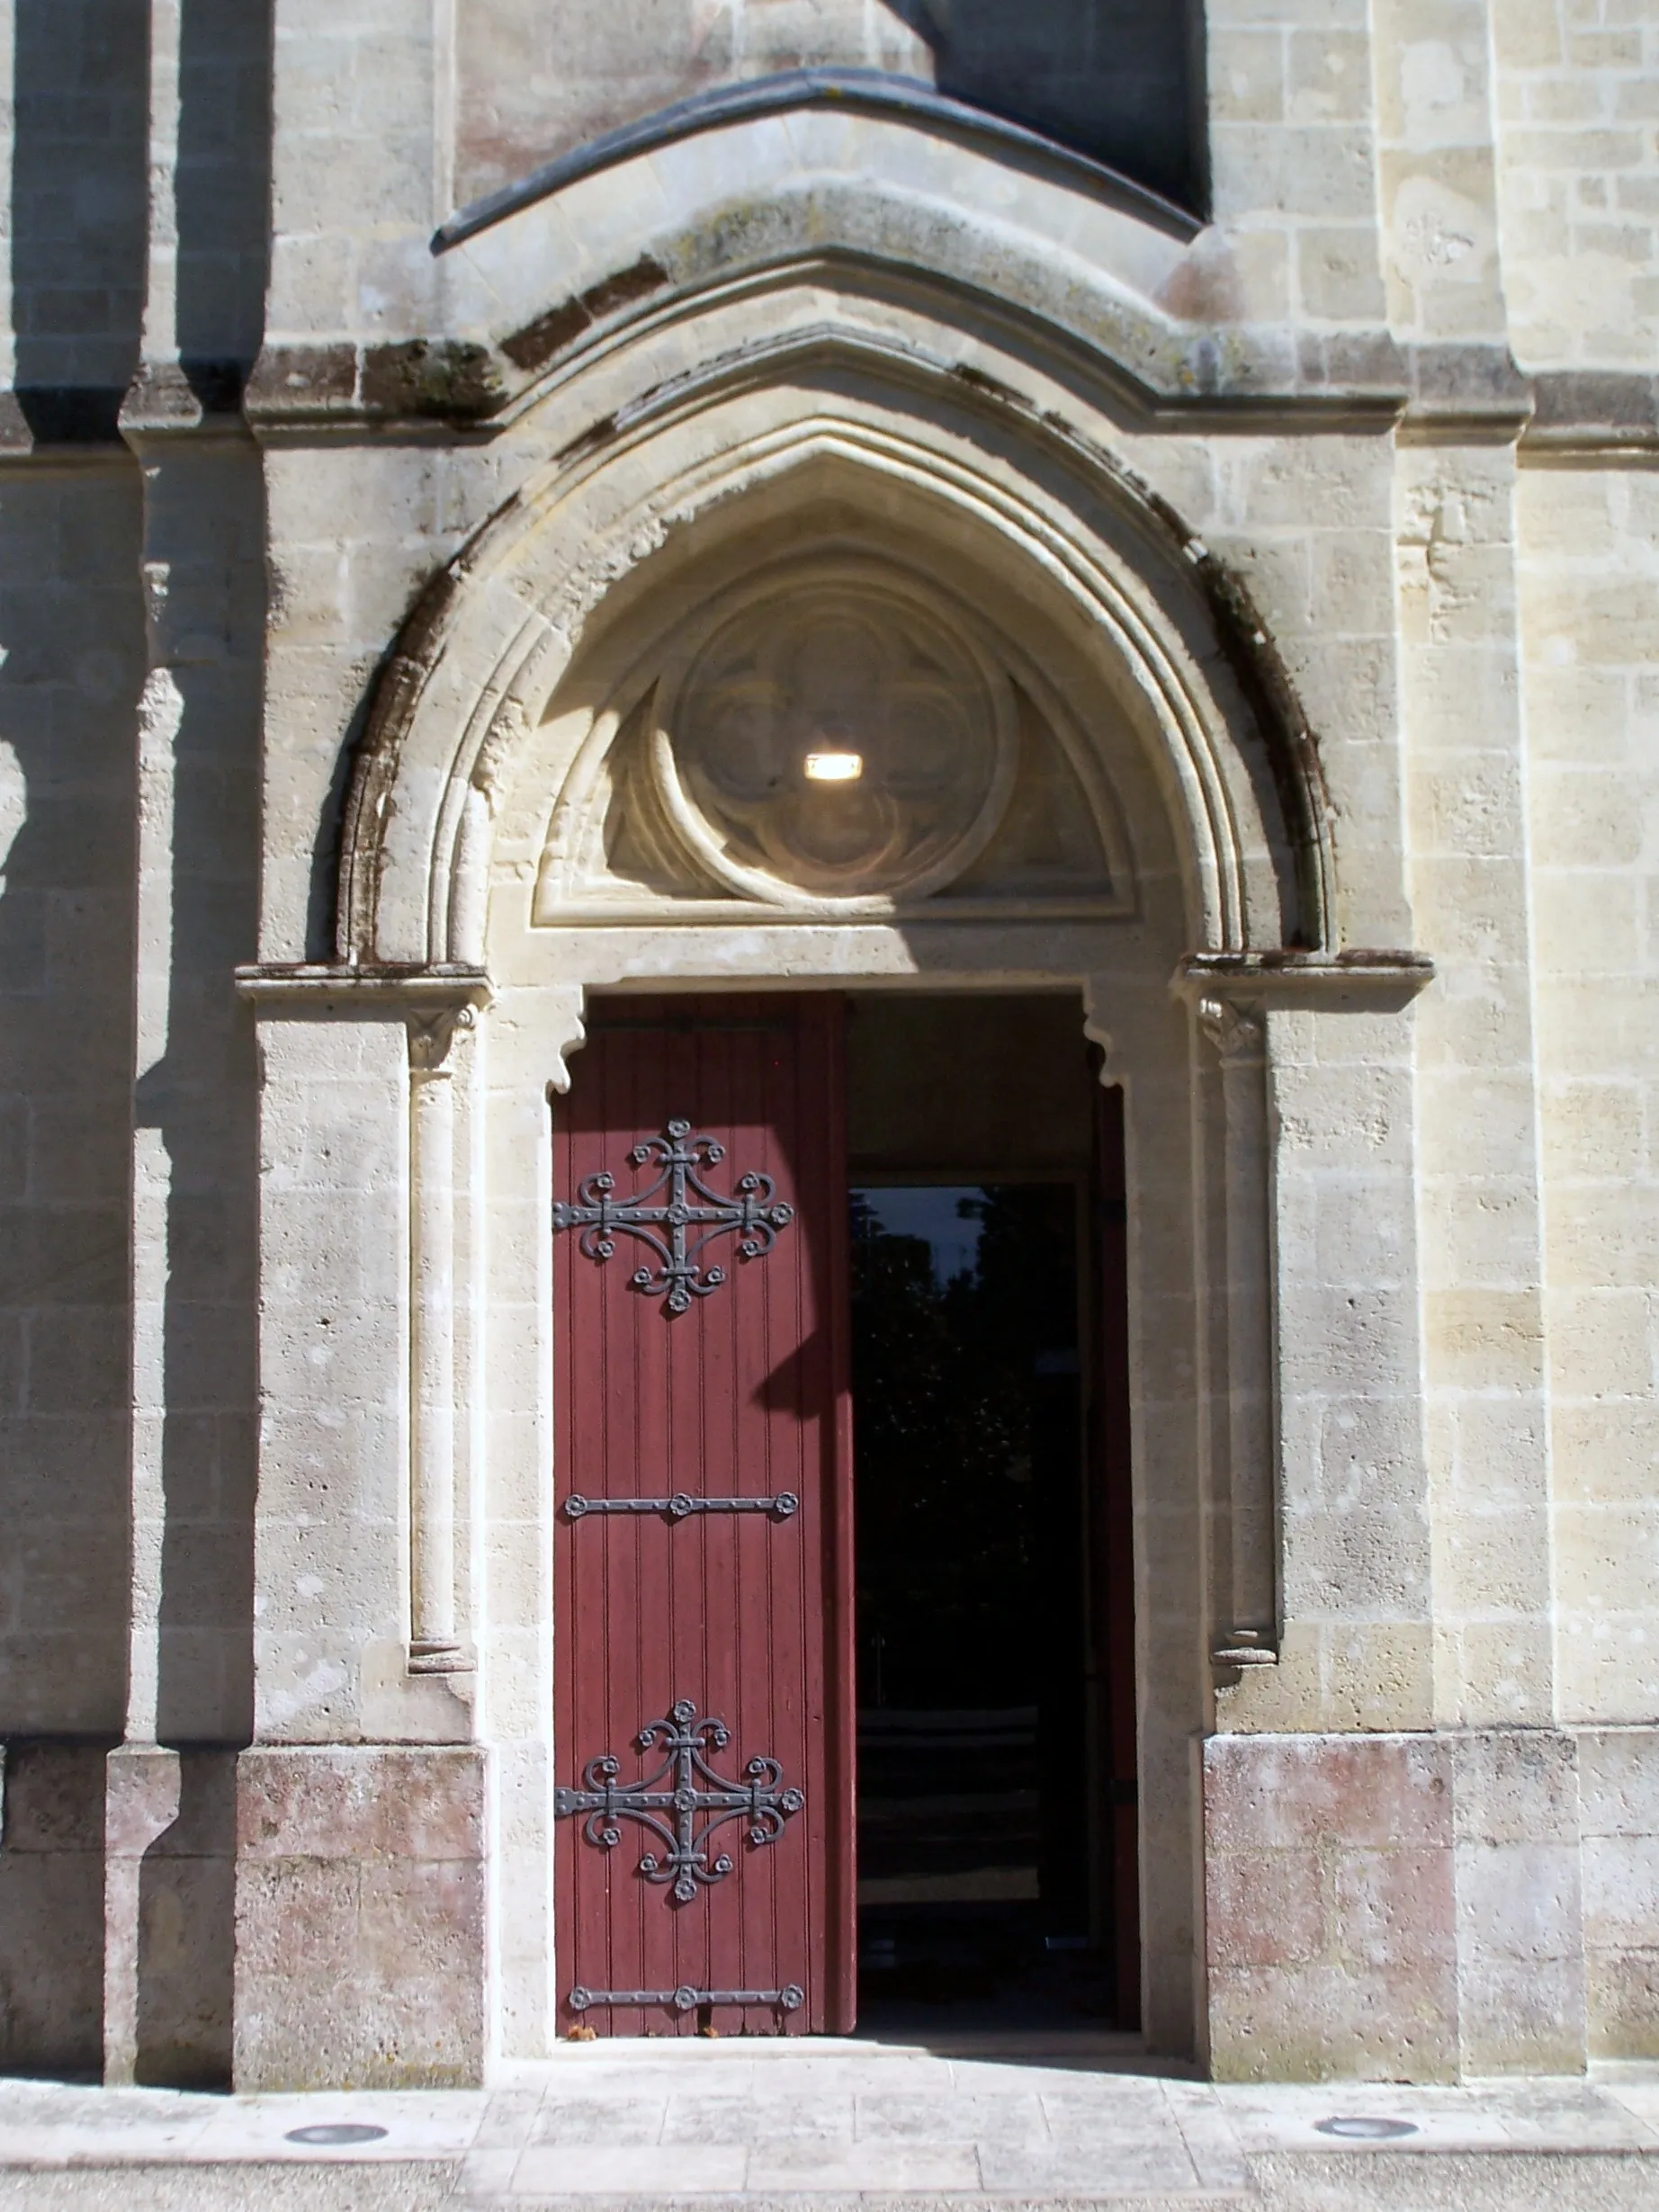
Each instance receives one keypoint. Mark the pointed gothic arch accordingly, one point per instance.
(1060, 522)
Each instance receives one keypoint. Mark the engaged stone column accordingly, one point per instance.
(1248, 1635)
(435, 1646)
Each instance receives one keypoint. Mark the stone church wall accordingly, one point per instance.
(1579, 191)
(72, 624)
(1394, 384)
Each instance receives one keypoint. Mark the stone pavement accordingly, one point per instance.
(762, 2126)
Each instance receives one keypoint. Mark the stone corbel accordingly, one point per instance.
(438, 1006)
(566, 1031)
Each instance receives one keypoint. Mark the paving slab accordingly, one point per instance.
(842, 2126)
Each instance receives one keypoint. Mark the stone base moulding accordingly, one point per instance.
(51, 1904)
(169, 1899)
(360, 1949)
(1429, 1907)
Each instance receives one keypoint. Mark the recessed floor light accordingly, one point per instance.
(334, 2134)
(1366, 2127)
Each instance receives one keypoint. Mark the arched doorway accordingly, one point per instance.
(586, 781)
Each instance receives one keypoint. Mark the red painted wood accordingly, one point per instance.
(745, 1395)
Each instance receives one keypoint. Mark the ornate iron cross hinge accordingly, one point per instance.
(683, 1803)
(677, 1215)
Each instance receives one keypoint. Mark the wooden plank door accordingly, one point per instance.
(703, 1721)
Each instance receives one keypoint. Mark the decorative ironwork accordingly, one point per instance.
(677, 1215)
(681, 1505)
(671, 1806)
(789, 1998)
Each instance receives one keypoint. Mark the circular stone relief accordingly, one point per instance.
(836, 737)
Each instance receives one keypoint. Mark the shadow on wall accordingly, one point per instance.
(71, 660)
(79, 215)
(196, 1098)
(72, 693)
(71, 665)
(51, 1907)
(186, 1924)
(223, 194)
(1122, 80)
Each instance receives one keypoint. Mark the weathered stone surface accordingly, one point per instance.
(1330, 1925)
(360, 1948)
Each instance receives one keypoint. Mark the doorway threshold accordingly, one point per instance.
(1105, 2050)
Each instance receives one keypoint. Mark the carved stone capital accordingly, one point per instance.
(432, 1032)
(1235, 1034)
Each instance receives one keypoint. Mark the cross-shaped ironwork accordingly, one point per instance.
(674, 1804)
(677, 1215)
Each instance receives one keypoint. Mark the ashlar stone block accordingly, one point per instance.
(360, 1957)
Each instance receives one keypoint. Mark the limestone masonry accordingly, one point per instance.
(428, 427)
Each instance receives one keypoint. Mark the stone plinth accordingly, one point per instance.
(1619, 1786)
(51, 1905)
(360, 1917)
(169, 1904)
(1331, 1908)
(1395, 1907)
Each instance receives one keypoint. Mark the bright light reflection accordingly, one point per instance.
(834, 767)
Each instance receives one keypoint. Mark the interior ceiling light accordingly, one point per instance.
(834, 767)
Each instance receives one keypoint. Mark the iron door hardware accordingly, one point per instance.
(682, 1505)
(789, 1998)
(673, 1794)
(677, 1215)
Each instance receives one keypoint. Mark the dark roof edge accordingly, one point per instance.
(871, 91)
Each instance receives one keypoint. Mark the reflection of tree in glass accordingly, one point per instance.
(951, 1448)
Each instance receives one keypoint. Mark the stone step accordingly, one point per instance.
(1339, 2181)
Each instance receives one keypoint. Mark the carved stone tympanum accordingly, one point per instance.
(847, 670)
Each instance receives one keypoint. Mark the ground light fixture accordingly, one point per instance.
(335, 2135)
(1366, 2127)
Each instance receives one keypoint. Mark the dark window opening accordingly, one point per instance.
(1119, 80)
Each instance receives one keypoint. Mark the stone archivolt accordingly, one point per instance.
(526, 732)
(692, 790)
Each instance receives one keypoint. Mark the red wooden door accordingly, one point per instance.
(703, 1721)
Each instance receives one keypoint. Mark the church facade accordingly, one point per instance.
(829, 1194)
